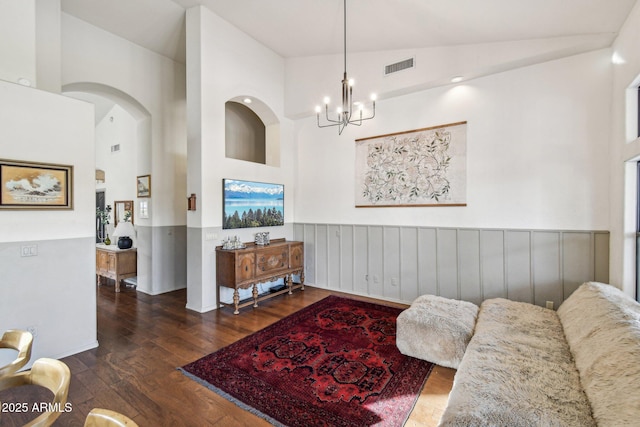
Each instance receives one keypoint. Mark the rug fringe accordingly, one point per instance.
(232, 399)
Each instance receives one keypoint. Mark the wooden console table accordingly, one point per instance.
(115, 263)
(244, 268)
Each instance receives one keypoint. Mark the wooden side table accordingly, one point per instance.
(115, 263)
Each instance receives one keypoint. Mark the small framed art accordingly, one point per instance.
(143, 185)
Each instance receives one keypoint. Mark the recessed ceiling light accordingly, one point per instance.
(247, 100)
(457, 79)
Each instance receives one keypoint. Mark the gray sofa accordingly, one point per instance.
(528, 366)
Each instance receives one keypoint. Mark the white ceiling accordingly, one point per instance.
(314, 27)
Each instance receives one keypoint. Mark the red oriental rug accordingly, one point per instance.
(333, 363)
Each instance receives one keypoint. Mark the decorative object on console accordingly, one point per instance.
(252, 204)
(262, 238)
(125, 230)
(143, 185)
(345, 112)
(331, 363)
(423, 167)
(30, 185)
(231, 244)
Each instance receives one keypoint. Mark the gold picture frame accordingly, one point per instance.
(143, 186)
(35, 185)
(120, 209)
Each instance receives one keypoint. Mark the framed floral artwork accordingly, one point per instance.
(422, 167)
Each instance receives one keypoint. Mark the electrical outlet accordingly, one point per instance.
(550, 305)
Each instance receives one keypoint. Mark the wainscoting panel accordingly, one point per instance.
(493, 263)
(447, 262)
(518, 260)
(427, 261)
(361, 260)
(547, 262)
(400, 263)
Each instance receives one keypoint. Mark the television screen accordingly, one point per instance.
(252, 204)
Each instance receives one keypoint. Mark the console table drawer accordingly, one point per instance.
(272, 259)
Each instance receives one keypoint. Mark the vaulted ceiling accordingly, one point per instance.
(294, 28)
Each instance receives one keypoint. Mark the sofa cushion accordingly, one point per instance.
(602, 326)
(436, 329)
(517, 371)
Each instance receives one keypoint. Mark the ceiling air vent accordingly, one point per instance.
(398, 66)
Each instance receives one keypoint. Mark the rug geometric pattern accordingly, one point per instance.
(333, 363)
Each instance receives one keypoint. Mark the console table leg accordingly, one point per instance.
(302, 280)
(289, 280)
(236, 301)
(255, 295)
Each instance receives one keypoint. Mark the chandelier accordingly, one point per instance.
(345, 113)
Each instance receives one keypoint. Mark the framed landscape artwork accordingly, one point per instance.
(422, 167)
(30, 185)
(252, 204)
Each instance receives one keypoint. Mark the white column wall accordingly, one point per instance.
(224, 63)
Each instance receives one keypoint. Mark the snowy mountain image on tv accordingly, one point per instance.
(252, 204)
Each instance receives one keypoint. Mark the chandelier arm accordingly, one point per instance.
(326, 112)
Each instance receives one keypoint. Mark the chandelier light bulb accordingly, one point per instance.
(318, 109)
(339, 110)
(351, 82)
(374, 96)
(326, 100)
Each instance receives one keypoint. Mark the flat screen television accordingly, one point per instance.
(252, 204)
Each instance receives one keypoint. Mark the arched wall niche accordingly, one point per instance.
(252, 131)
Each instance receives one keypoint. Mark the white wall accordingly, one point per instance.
(18, 40)
(53, 291)
(117, 127)
(536, 143)
(93, 55)
(625, 151)
(224, 63)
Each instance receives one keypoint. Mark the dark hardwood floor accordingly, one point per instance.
(143, 339)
